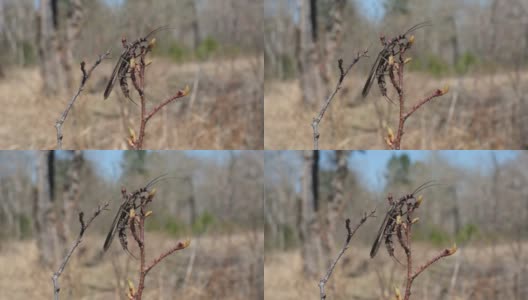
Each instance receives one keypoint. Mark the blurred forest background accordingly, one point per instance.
(42, 193)
(214, 47)
(482, 207)
(476, 47)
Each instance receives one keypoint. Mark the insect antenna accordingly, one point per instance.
(164, 27)
(156, 179)
(161, 178)
(427, 185)
(418, 26)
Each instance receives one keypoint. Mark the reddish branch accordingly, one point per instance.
(404, 238)
(137, 227)
(85, 77)
(84, 226)
(350, 234)
(396, 72)
(326, 104)
(137, 74)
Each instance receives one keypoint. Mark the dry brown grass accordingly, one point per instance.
(224, 115)
(224, 268)
(481, 116)
(359, 277)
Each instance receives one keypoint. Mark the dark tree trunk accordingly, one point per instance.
(44, 211)
(48, 46)
(309, 228)
(335, 205)
(308, 57)
(70, 199)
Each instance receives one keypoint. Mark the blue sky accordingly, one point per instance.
(108, 162)
(373, 164)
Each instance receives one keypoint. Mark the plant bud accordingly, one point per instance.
(152, 43)
(397, 293)
(132, 63)
(452, 250)
(411, 39)
(132, 134)
(419, 200)
(152, 193)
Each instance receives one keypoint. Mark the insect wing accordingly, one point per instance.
(113, 78)
(379, 237)
(114, 227)
(371, 76)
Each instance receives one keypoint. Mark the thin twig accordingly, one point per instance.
(324, 107)
(84, 226)
(179, 246)
(85, 77)
(350, 234)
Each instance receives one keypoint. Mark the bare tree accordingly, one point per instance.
(308, 56)
(48, 45)
(191, 199)
(73, 28)
(335, 204)
(334, 38)
(195, 26)
(70, 198)
(44, 213)
(309, 225)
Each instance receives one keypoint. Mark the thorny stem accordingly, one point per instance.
(326, 104)
(84, 79)
(350, 234)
